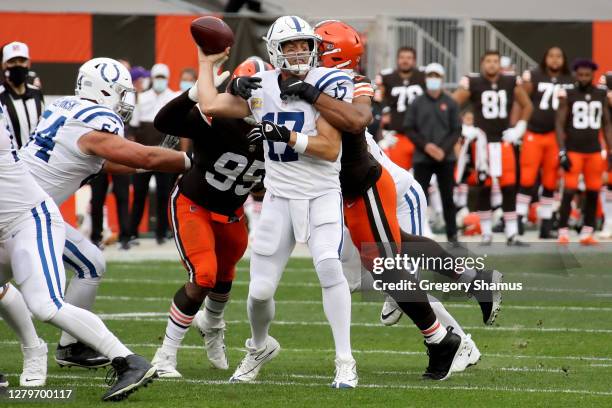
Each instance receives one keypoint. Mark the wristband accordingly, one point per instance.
(188, 161)
(301, 142)
(193, 92)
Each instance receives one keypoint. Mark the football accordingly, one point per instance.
(211, 34)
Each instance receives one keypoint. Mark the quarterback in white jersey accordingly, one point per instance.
(31, 245)
(76, 138)
(303, 201)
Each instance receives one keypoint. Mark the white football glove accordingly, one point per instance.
(514, 134)
(470, 133)
(388, 139)
(218, 78)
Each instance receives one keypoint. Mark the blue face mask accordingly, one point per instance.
(160, 84)
(186, 85)
(433, 84)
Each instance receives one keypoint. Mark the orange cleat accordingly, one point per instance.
(589, 240)
(563, 240)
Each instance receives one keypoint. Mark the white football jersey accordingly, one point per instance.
(19, 193)
(290, 174)
(403, 178)
(53, 155)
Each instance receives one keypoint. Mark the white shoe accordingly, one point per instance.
(253, 361)
(346, 374)
(390, 313)
(213, 342)
(468, 355)
(165, 363)
(34, 366)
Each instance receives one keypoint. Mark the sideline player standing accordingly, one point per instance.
(492, 93)
(207, 217)
(606, 230)
(583, 112)
(539, 150)
(302, 201)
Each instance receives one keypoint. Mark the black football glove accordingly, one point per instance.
(269, 131)
(295, 87)
(244, 86)
(564, 160)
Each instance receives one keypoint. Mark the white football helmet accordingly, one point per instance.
(291, 28)
(108, 83)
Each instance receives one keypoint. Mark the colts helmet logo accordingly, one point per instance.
(104, 71)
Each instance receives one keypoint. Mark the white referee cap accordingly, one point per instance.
(14, 50)
(434, 68)
(160, 70)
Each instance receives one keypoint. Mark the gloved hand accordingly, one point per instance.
(470, 133)
(269, 131)
(564, 160)
(514, 134)
(244, 86)
(295, 87)
(170, 142)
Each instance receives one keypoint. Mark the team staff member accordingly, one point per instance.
(539, 152)
(583, 112)
(148, 104)
(208, 219)
(23, 102)
(433, 124)
(400, 87)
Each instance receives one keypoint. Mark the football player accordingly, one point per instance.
(32, 234)
(399, 88)
(302, 201)
(606, 230)
(76, 138)
(539, 152)
(207, 218)
(492, 95)
(583, 112)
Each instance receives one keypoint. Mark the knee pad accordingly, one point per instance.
(86, 259)
(330, 272)
(262, 289)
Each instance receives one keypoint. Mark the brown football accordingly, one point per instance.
(211, 34)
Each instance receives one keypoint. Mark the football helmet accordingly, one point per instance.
(340, 47)
(108, 83)
(251, 66)
(291, 28)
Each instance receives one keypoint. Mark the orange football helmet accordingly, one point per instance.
(251, 66)
(341, 46)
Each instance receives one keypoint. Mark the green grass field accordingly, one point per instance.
(536, 356)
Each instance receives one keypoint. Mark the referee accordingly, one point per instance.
(23, 102)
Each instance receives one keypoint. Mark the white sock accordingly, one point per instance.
(496, 194)
(16, 314)
(607, 208)
(522, 204)
(435, 333)
(444, 317)
(586, 231)
(545, 209)
(176, 328)
(337, 307)
(485, 222)
(435, 199)
(89, 329)
(511, 224)
(461, 195)
(261, 313)
(214, 307)
(80, 293)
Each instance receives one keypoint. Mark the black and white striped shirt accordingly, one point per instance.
(22, 111)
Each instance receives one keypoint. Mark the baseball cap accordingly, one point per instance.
(14, 50)
(434, 68)
(160, 70)
(138, 72)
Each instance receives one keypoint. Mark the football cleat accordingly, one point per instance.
(214, 342)
(390, 313)
(346, 374)
(253, 361)
(563, 239)
(127, 375)
(165, 364)
(489, 300)
(3, 381)
(514, 241)
(445, 357)
(79, 355)
(34, 372)
(470, 355)
(588, 240)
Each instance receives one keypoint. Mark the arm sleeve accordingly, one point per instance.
(455, 128)
(411, 127)
(180, 117)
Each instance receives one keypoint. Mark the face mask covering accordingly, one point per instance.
(433, 84)
(186, 85)
(17, 74)
(160, 84)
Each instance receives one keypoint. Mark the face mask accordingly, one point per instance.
(186, 85)
(433, 84)
(17, 74)
(160, 84)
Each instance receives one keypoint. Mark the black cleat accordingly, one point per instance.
(79, 355)
(443, 356)
(546, 229)
(126, 375)
(520, 224)
(488, 299)
(3, 381)
(515, 242)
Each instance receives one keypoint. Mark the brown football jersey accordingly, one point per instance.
(399, 94)
(544, 97)
(584, 121)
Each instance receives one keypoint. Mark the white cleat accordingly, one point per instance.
(34, 366)
(253, 361)
(469, 355)
(165, 364)
(214, 342)
(390, 313)
(346, 374)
